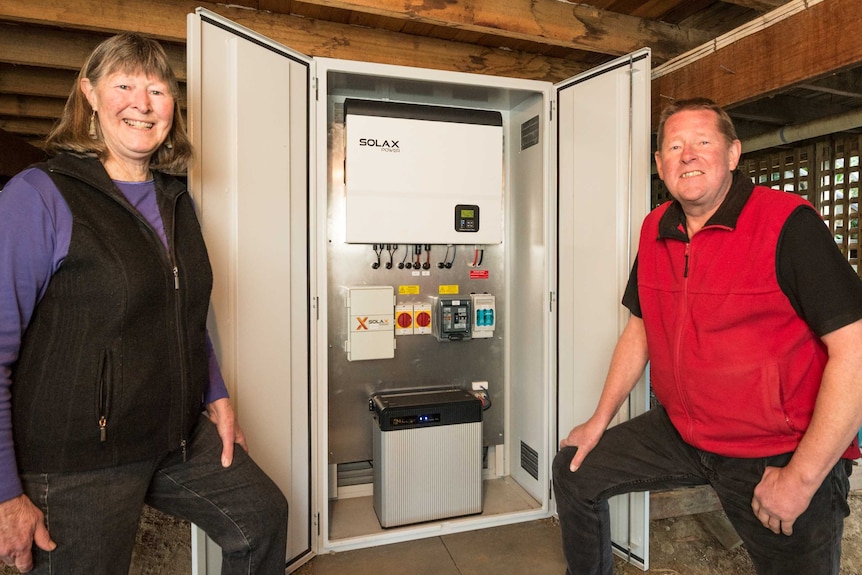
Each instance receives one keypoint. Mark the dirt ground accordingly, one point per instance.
(682, 546)
(679, 546)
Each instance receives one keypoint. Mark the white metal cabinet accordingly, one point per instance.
(576, 160)
(602, 183)
(250, 125)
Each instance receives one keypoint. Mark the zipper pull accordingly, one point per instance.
(685, 271)
(103, 432)
(176, 278)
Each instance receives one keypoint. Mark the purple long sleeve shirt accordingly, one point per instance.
(35, 231)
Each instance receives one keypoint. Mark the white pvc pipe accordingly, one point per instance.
(813, 129)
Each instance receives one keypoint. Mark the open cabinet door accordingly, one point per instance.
(249, 114)
(603, 183)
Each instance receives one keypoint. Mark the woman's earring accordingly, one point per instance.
(92, 131)
(169, 145)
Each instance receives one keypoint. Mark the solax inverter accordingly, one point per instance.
(422, 174)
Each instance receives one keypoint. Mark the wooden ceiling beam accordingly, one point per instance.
(31, 81)
(31, 107)
(794, 50)
(759, 5)
(548, 22)
(55, 48)
(64, 49)
(166, 20)
(27, 126)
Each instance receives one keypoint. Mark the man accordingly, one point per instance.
(751, 320)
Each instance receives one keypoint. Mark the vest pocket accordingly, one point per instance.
(103, 396)
(722, 406)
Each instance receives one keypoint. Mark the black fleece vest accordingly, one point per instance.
(113, 365)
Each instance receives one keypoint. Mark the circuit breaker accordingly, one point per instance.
(484, 315)
(453, 318)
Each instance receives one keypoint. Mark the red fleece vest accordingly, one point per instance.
(734, 365)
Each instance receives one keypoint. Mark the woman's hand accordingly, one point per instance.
(21, 525)
(221, 413)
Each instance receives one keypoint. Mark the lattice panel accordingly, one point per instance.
(838, 193)
(788, 170)
(659, 193)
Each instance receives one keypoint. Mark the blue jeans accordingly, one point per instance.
(647, 453)
(93, 515)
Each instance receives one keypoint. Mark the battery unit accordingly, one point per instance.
(427, 450)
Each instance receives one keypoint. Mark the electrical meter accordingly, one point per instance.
(453, 321)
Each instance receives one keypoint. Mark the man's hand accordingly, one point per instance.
(584, 436)
(779, 499)
(221, 413)
(21, 525)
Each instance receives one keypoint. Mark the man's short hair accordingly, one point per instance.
(725, 124)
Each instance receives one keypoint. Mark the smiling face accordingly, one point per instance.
(696, 161)
(135, 114)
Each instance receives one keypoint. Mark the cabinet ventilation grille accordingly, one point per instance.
(530, 133)
(530, 460)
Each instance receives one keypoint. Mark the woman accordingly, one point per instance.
(105, 363)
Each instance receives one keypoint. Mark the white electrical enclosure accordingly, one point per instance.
(409, 167)
(371, 317)
(564, 187)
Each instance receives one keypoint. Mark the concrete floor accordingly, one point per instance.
(531, 548)
(678, 546)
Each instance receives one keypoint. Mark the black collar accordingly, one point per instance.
(672, 223)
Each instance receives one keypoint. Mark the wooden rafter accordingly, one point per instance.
(787, 53)
(166, 20)
(761, 5)
(550, 22)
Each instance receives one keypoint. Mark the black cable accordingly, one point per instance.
(445, 263)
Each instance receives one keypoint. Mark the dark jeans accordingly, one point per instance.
(93, 516)
(647, 453)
